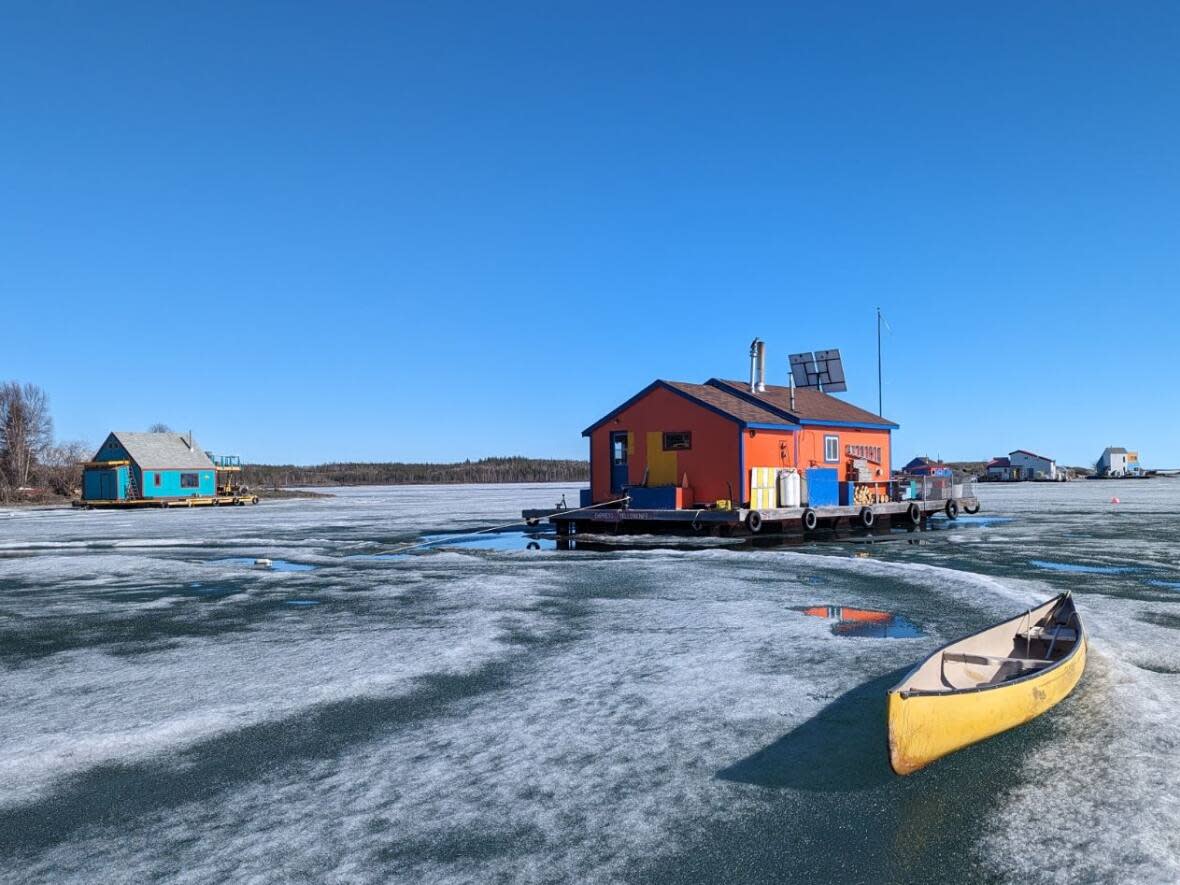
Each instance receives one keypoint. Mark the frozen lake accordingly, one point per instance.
(485, 712)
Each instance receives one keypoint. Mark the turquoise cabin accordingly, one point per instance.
(146, 466)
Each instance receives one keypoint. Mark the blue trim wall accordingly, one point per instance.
(754, 425)
(856, 425)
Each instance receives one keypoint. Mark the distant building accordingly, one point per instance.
(1033, 466)
(1023, 465)
(133, 466)
(1117, 461)
(926, 467)
(1001, 470)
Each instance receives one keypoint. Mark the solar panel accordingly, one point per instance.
(803, 368)
(830, 369)
(823, 370)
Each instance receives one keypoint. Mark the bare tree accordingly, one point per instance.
(159, 427)
(61, 466)
(26, 430)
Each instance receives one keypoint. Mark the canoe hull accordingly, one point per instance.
(926, 727)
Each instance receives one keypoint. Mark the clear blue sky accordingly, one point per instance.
(435, 231)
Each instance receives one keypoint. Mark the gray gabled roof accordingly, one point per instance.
(159, 451)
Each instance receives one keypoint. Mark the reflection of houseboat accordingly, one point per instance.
(728, 457)
(864, 622)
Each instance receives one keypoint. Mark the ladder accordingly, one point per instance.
(132, 487)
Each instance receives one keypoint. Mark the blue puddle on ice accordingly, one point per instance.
(302, 602)
(1078, 568)
(984, 521)
(1171, 585)
(276, 565)
(503, 541)
(865, 623)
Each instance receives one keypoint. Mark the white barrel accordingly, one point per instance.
(789, 488)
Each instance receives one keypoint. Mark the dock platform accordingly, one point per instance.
(749, 522)
(157, 503)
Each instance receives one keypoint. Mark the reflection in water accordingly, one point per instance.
(864, 622)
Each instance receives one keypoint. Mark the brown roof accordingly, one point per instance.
(735, 406)
(810, 405)
(734, 399)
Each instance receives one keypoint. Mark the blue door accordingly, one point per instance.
(618, 460)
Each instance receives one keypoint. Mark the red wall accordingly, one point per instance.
(711, 464)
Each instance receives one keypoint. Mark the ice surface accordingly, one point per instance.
(484, 712)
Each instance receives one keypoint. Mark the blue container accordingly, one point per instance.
(822, 487)
(658, 498)
(847, 493)
(584, 498)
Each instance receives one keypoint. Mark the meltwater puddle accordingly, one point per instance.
(1081, 569)
(864, 623)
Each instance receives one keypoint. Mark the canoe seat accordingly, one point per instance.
(1063, 634)
(963, 658)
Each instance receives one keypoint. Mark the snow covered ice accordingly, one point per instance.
(481, 712)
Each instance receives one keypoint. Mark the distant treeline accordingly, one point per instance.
(397, 473)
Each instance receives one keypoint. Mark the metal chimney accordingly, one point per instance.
(761, 367)
(755, 349)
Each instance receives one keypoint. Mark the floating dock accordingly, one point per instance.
(748, 522)
(156, 503)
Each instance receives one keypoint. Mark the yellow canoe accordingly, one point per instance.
(986, 683)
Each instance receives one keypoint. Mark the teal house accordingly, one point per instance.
(147, 466)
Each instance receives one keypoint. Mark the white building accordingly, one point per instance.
(1117, 461)
(1030, 465)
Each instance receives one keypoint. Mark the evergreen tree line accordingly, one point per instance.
(485, 470)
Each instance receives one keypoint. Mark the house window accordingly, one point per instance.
(677, 439)
(831, 449)
(156, 480)
(190, 480)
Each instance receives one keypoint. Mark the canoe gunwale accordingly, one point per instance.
(1034, 674)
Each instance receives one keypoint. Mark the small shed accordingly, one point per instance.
(144, 466)
(1000, 469)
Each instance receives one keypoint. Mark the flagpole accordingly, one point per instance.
(880, 403)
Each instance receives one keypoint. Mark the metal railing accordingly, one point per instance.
(931, 488)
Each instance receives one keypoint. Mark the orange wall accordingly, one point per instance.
(711, 464)
(773, 448)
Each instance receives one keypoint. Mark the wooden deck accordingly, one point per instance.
(777, 520)
(158, 503)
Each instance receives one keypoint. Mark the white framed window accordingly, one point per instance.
(831, 448)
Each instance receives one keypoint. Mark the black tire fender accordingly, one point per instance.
(952, 509)
(914, 512)
(810, 520)
(867, 517)
(754, 522)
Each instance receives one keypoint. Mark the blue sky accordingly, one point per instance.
(432, 231)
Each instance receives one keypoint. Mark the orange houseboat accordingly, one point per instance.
(700, 442)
